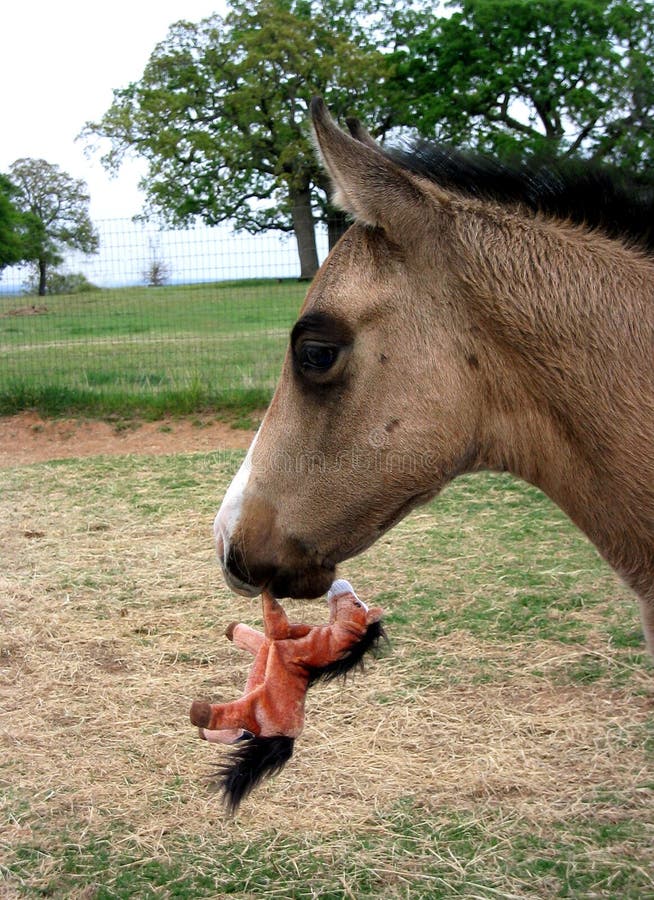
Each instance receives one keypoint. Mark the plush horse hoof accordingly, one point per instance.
(200, 713)
(229, 633)
(224, 735)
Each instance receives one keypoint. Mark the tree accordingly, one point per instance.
(15, 227)
(57, 205)
(221, 114)
(157, 271)
(556, 77)
(60, 283)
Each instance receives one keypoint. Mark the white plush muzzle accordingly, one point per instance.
(341, 586)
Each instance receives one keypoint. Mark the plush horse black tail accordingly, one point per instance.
(252, 759)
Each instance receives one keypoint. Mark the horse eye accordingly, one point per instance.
(317, 357)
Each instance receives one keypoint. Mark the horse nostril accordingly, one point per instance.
(236, 566)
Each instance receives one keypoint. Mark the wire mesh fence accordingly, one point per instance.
(157, 321)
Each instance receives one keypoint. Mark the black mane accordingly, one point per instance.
(579, 191)
(352, 658)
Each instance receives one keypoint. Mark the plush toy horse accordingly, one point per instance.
(288, 659)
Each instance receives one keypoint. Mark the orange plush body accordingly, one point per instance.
(288, 658)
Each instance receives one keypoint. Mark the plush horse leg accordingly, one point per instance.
(221, 735)
(647, 617)
(276, 624)
(244, 637)
(239, 715)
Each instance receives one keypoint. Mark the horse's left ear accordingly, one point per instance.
(366, 182)
(374, 614)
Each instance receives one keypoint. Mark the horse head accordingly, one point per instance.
(356, 435)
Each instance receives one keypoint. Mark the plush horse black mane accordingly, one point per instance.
(577, 190)
(353, 659)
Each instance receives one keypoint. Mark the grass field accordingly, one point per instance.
(502, 747)
(146, 350)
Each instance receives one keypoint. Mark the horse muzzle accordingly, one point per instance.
(254, 556)
(249, 578)
(237, 577)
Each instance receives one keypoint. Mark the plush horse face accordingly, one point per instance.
(346, 610)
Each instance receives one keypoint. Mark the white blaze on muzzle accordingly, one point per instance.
(230, 509)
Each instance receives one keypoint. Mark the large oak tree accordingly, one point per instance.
(220, 114)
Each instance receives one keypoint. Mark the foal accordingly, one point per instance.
(472, 317)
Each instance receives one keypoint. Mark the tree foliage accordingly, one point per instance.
(16, 228)
(221, 113)
(548, 76)
(57, 205)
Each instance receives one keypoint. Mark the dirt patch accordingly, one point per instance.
(25, 311)
(27, 438)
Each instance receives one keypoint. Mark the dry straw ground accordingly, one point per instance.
(501, 747)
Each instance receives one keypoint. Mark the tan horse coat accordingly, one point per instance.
(447, 334)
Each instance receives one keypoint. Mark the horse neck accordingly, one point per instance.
(344, 631)
(563, 329)
(564, 321)
(554, 295)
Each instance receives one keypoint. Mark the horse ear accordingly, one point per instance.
(374, 614)
(366, 182)
(360, 134)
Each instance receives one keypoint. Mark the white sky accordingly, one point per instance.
(59, 62)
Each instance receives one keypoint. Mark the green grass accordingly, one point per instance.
(454, 857)
(148, 351)
(503, 746)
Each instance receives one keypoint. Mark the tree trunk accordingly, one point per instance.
(42, 277)
(305, 233)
